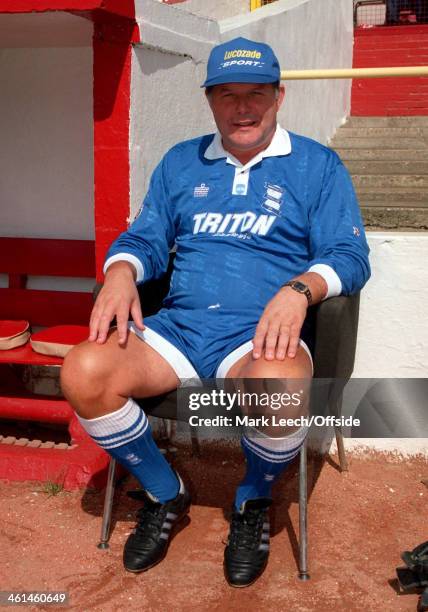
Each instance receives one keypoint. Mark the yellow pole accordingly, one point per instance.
(354, 73)
(255, 4)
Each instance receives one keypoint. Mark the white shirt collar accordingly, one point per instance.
(279, 145)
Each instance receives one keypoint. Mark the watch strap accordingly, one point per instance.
(300, 288)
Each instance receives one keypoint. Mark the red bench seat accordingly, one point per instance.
(82, 462)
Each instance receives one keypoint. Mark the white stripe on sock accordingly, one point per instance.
(114, 422)
(126, 438)
(291, 442)
(286, 456)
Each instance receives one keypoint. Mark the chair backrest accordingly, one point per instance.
(153, 292)
(23, 257)
(336, 337)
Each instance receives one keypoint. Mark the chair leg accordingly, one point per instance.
(108, 504)
(196, 449)
(339, 437)
(303, 515)
(341, 450)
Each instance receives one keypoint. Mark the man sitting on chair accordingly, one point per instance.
(265, 224)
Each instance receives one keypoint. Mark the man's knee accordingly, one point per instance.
(276, 390)
(296, 367)
(85, 371)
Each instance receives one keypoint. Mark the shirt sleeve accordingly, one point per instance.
(147, 242)
(337, 237)
(333, 282)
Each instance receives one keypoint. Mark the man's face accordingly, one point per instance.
(245, 114)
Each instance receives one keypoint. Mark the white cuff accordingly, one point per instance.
(130, 259)
(334, 284)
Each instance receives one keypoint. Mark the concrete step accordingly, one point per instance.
(387, 167)
(393, 204)
(395, 218)
(384, 132)
(404, 180)
(384, 196)
(386, 122)
(387, 158)
(340, 141)
(385, 143)
(382, 154)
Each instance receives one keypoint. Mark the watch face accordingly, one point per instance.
(299, 286)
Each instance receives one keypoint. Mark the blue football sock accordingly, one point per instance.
(266, 459)
(127, 436)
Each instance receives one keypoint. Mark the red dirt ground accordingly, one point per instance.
(359, 523)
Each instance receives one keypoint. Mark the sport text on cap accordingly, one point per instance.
(242, 61)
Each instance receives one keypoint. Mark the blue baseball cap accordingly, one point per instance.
(242, 61)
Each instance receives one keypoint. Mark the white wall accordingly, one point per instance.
(393, 330)
(215, 9)
(167, 104)
(46, 154)
(305, 34)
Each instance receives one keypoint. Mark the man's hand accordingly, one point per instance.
(278, 331)
(117, 298)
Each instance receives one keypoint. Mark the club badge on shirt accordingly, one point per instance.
(273, 198)
(240, 182)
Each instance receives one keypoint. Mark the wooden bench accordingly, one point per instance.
(81, 462)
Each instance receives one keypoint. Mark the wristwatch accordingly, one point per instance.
(300, 288)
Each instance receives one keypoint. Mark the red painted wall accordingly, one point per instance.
(390, 46)
(112, 92)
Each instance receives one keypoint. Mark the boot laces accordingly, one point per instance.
(150, 519)
(246, 528)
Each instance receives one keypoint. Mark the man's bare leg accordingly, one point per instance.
(268, 451)
(100, 380)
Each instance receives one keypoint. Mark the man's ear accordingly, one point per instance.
(208, 95)
(281, 95)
